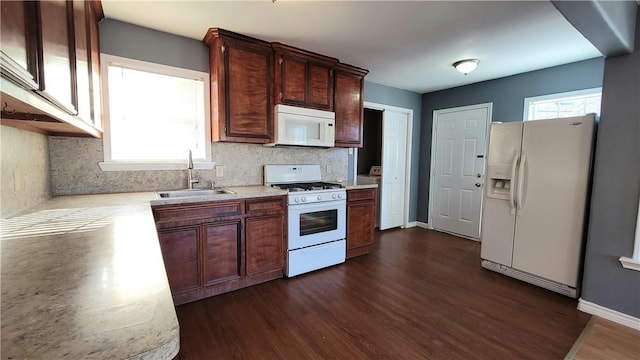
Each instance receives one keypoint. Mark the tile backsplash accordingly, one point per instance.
(75, 170)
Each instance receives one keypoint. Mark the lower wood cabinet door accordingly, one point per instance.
(180, 253)
(361, 221)
(221, 255)
(264, 243)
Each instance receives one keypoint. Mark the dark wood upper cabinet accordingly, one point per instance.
(58, 67)
(51, 48)
(303, 78)
(83, 53)
(94, 14)
(18, 34)
(241, 87)
(348, 105)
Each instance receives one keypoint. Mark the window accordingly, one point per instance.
(154, 114)
(573, 103)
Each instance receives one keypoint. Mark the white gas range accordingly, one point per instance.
(316, 217)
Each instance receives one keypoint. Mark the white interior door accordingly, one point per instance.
(460, 143)
(394, 153)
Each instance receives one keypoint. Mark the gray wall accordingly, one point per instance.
(24, 172)
(507, 95)
(140, 43)
(386, 95)
(616, 189)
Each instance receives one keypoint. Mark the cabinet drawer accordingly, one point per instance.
(361, 194)
(174, 213)
(261, 205)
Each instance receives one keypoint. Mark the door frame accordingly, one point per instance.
(434, 148)
(407, 171)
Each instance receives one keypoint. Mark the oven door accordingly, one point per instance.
(312, 224)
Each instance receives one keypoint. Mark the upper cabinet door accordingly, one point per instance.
(93, 17)
(293, 71)
(58, 54)
(303, 78)
(320, 86)
(348, 105)
(241, 87)
(82, 47)
(19, 40)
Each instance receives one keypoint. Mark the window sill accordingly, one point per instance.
(629, 263)
(147, 166)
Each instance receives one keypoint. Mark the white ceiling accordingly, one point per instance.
(404, 44)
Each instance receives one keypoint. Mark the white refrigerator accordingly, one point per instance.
(535, 201)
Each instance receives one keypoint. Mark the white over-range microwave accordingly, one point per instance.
(297, 126)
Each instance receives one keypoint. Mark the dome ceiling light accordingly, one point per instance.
(466, 66)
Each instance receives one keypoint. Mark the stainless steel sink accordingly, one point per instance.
(192, 192)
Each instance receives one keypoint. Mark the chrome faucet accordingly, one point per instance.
(190, 178)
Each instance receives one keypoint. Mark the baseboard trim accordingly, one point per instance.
(609, 314)
(423, 225)
(410, 224)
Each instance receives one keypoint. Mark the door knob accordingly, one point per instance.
(478, 184)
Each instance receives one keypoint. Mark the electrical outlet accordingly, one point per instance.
(328, 168)
(219, 171)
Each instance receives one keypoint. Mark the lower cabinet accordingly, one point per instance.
(265, 243)
(221, 252)
(361, 221)
(180, 253)
(215, 247)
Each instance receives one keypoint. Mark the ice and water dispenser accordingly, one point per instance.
(500, 181)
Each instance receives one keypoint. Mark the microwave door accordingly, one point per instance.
(298, 130)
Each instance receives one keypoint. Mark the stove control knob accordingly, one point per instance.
(304, 199)
(296, 200)
(339, 196)
(334, 196)
(319, 198)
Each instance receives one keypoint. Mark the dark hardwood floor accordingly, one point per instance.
(420, 294)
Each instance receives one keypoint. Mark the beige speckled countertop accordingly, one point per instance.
(239, 192)
(83, 278)
(357, 185)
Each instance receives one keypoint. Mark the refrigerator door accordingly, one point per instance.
(555, 163)
(498, 213)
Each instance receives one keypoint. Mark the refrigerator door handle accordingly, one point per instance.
(514, 165)
(523, 162)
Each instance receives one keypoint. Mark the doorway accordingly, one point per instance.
(458, 145)
(387, 145)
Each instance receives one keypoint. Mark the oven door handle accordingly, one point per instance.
(328, 205)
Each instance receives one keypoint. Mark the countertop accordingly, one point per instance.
(239, 192)
(83, 278)
(356, 184)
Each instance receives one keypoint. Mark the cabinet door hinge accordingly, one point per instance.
(280, 95)
(222, 48)
(280, 61)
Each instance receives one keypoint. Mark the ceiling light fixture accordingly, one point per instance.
(466, 66)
